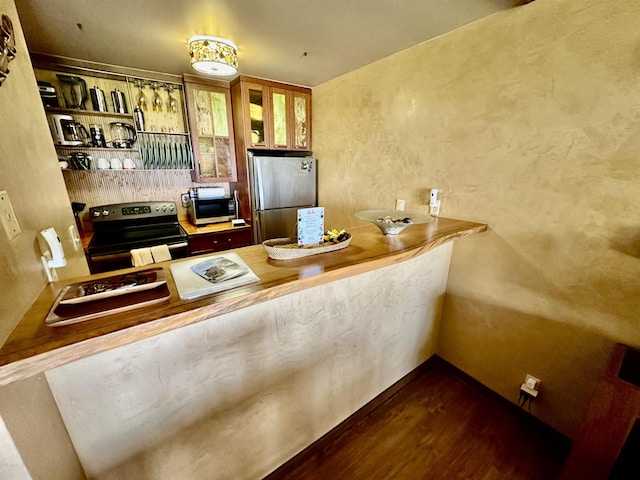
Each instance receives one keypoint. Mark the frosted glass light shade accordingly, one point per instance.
(213, 55)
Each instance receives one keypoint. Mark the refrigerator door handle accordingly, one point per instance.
(257, 230)
(259, 192)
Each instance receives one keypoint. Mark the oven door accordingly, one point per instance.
(106, 262)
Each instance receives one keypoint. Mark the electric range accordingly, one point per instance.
(121, 227)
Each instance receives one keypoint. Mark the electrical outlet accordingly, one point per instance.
(399, 204)
(9, 221)
(532, 392)
(434, 202)
(531, 382)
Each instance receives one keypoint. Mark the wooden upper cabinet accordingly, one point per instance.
(280, 117)
(211, 126)
(275, 116)
(255, 112)
(301, 120)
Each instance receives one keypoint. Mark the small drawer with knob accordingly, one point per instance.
(219, 241)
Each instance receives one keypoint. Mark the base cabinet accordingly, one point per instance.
(219, 241)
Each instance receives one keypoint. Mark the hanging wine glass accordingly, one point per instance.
(172, 103)
(156, 101)
(141, 99)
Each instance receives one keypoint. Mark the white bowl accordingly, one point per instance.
(392, 222)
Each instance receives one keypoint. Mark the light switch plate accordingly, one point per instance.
(9, 220)
(433, 197)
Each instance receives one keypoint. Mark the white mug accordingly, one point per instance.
(116, 164)
(103, 164)
(128, 164)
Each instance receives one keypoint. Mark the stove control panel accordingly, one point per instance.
(132, 211)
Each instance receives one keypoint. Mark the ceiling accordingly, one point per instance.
(303, 42)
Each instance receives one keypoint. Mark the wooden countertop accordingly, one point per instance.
(34, 347)
(192, 229)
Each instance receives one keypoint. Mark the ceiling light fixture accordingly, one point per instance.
(213, 55)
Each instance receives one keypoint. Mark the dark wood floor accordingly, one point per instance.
(434, 424)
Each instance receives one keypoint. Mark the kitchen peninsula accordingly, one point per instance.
(258, 371)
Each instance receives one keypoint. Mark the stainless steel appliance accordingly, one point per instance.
(48, 94)
(209, 205)
(280, 185)
(97, 136)
(121, 227)
(119, 102)
(74, 90)
(98, 100)
(79, 161)
(66, 131)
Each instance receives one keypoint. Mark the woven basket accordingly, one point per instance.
(279, 253)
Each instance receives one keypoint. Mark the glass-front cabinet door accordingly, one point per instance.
(211, 125)
(301, 123)
(256, 111)
(280, 116)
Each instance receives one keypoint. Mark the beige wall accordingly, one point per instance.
(30, 174)
(33, 440)
(37, 440)
(528, 120)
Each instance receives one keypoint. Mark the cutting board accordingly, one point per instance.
(190, 285)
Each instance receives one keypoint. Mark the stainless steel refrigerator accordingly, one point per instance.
(280, 185)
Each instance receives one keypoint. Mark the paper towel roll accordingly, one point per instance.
(209, 193)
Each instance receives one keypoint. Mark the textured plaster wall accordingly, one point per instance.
(30, 174)
(39, 447)
(528, 120)
(235, 396)
(33, 441)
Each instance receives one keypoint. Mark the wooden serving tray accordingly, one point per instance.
(78, 302)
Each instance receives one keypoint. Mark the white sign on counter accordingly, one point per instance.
(310, 226)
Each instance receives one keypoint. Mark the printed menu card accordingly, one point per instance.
(310, 226)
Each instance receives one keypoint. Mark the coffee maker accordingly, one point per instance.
(123, 135)
(66, 131)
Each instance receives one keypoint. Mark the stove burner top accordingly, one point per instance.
(125, 240)
(120, 228)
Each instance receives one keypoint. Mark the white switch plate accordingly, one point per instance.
(9, 220)
(433, 197)
(399, 204)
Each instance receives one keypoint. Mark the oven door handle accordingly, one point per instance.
(175, 246)
(121, 255)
